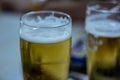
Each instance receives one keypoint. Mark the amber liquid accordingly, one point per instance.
(103, 58)
(49, 61)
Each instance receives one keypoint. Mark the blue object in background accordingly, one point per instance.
(78, 57)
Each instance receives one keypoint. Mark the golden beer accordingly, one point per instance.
(103, 59)
(48, 61)
(104, 63)
(45, 41)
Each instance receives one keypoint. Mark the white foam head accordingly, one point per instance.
(102, 27)
(48, 30)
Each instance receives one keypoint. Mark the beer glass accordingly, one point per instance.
(45, 41)
(103, 31)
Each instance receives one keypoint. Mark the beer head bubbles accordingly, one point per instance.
(49, 29)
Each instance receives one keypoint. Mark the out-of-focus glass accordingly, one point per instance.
(103, 30)
(45, 40)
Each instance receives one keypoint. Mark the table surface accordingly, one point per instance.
(10, 64)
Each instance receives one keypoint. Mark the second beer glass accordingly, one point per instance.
(103, 28)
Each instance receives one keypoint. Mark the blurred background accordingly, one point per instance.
(10, 12)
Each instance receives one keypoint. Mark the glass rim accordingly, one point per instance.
(45, 11)
(102, 10)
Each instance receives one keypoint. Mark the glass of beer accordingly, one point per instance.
(103, 33)
(45, 41)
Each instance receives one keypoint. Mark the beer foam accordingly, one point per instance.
(42, 22)
(48, 30)
(102, 27)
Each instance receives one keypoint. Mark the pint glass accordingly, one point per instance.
(45, 41)
(103, 31)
